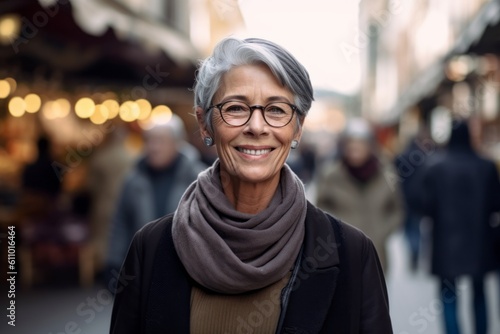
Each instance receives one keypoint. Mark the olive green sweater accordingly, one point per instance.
(253, 312)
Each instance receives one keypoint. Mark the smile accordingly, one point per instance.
(254, 152)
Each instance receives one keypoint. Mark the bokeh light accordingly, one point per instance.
(4, 89)
(10, 26)
(62, 107)
(84, 107)
(144, 109)
(161, 114)
(129, 111)
(113, 108)
(48, 110)
(33, 103)
(17, 106)
(12, 84)
(100, 114)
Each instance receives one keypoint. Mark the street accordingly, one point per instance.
(414, 306)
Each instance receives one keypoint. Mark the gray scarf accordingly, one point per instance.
(231, 252)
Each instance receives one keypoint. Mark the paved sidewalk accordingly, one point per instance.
(415, 308)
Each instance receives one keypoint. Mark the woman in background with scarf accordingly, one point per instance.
(245, 252)
(361, 188)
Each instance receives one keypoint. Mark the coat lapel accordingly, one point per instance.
(319, 267)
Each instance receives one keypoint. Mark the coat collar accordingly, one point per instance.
(314, 286)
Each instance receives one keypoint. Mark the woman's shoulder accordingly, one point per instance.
(349, 233)
(151, 233)
(345, 233)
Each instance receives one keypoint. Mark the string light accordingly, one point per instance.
(33, 103)
(113, 108)
(161, 114)
(84, 107)
(100, 114)
(144, 109)
(17, 106)
(4, 89)
(129, 111)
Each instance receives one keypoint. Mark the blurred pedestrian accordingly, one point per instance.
(39, 176)
(461, 192)
(108, 166)
(410, 166)
(245, 252)
(154, 187)
(303, 162)
(41, 192)
(357, 187)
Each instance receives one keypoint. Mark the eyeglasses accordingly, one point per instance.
(237, 113)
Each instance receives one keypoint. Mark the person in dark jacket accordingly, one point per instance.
(245, 252)
(153, 188)
(410, 167)
(461, 193)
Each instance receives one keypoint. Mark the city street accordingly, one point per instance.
(414, 306)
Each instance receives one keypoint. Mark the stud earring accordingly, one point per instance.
(208, 141)
(295, 144)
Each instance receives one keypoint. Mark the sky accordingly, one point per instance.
(313, 30)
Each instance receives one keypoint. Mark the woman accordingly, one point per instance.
(360, 188)
(244, 252)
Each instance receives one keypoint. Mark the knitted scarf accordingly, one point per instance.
(232, 252)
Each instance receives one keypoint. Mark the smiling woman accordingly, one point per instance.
(244, 251)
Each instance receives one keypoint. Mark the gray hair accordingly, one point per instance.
(232, 52)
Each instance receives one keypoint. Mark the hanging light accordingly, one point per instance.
(63, 107)
(4, 89)
(33, 103)
(17, 106)
(161, 114)
(84, 107)
(113, 108)
(12, 84)
(100, 114)
(129, 111)
(144, 109)
(10, 26)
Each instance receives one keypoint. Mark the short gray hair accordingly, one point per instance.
(232, 52)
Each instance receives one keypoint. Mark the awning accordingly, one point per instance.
(482, 35)
(95, 43)
(96, 16)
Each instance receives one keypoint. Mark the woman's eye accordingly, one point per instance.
(235, 108)
(275, 110)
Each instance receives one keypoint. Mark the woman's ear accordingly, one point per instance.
(200, 117)
(298, 128)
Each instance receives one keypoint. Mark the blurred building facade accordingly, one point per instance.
(426, 62)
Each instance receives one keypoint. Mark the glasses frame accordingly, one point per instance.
(252, 108)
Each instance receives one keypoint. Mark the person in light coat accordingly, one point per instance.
(361, 188)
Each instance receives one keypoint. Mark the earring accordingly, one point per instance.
(208, 141)
(295, 144)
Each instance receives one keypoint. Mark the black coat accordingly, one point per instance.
(337, 287)
(461, 191)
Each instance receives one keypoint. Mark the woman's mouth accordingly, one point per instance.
(257, 152)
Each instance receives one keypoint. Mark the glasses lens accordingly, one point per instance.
(235, 113)
(278, 114)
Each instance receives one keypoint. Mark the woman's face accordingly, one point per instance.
(254, 152)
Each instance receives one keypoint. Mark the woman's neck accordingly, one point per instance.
(249, 197)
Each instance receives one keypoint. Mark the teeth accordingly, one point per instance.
(254, 152)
